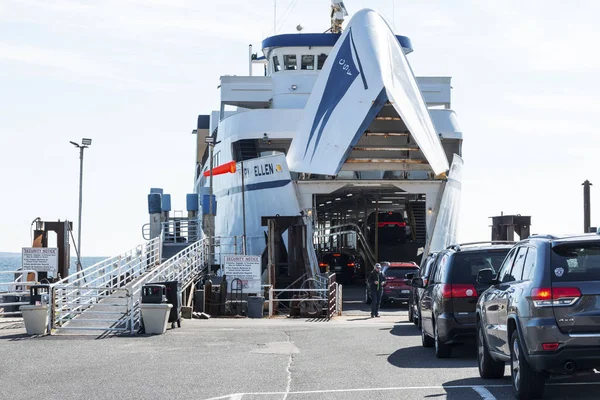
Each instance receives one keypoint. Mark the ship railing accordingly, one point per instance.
(75, 293)
(183, 267)
(14, 291)
(181, 230)
(224, 245)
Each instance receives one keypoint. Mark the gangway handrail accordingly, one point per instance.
(183, 267)
(85, 277)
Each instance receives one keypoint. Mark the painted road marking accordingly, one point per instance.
(481, 390)
(484, 393)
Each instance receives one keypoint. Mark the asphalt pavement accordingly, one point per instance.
(350, 357)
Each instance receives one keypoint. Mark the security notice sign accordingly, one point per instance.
(245, 268)
(40, 259)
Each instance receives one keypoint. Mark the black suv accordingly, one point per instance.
(392, 228)
(415, 293)
(342, 263)
(542, 312)
(447, 304)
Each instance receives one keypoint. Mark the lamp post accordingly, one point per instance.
(210, 141)
(85, 143)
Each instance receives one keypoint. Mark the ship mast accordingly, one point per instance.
(338, 12)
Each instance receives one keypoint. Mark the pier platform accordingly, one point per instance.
(293, 359)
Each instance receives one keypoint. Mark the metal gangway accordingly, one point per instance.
(99, 298)
(106, 296)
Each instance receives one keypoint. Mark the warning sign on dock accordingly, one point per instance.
(40, 258)
(245, 268)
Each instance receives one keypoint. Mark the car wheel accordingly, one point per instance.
(426, 340)
(488, 367)
(367, 297)
(526, 382)
(442, 350)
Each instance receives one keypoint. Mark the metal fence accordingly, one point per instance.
(181, 230)
(316, 297)
(15, 292)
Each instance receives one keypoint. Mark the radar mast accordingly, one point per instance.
(338, 12)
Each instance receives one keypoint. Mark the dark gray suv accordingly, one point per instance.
(449, 298)
(542, 312)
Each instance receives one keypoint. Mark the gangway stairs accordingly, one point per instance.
(106, 297)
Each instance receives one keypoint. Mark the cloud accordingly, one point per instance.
(44, 57)
(554, 101)
(74, 67)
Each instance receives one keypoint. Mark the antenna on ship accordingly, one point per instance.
(338, 12)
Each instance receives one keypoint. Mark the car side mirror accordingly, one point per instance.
(486, 277)
(417, 282)
(410, 276)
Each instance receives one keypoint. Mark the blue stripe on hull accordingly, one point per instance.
(254, 186)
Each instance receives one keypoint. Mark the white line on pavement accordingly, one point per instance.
(481, 390)
(484, 393)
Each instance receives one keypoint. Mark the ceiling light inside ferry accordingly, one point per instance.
(349, 195)
(382, 202)
(321, 205)
(329, 202)
(337, 198)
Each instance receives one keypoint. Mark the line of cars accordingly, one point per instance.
(534, 305)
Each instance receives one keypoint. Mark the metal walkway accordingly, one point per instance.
(106, 296)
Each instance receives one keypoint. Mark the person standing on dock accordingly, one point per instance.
(376, 281)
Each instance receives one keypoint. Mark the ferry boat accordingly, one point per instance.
(336, 130)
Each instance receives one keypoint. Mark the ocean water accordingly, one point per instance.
(12, 263)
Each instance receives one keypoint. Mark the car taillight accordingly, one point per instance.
(384, 224)
(550, 346)
(559, 296)
(351, 264)
(322, 265)
(458, 291)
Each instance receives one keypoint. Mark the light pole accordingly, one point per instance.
(85, 143)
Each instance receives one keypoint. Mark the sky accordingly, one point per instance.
(133, 75)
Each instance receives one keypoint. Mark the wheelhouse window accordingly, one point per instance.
(321, 60)
(276, 65)
(308, 62)
(290, 62)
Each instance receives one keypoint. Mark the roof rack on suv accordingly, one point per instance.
(542, 236)
(457, 247)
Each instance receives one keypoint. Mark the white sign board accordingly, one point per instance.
(40, 258)
(245, 268)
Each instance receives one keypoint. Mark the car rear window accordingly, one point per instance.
(399, 272)
(467, 265)
(575, 262)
